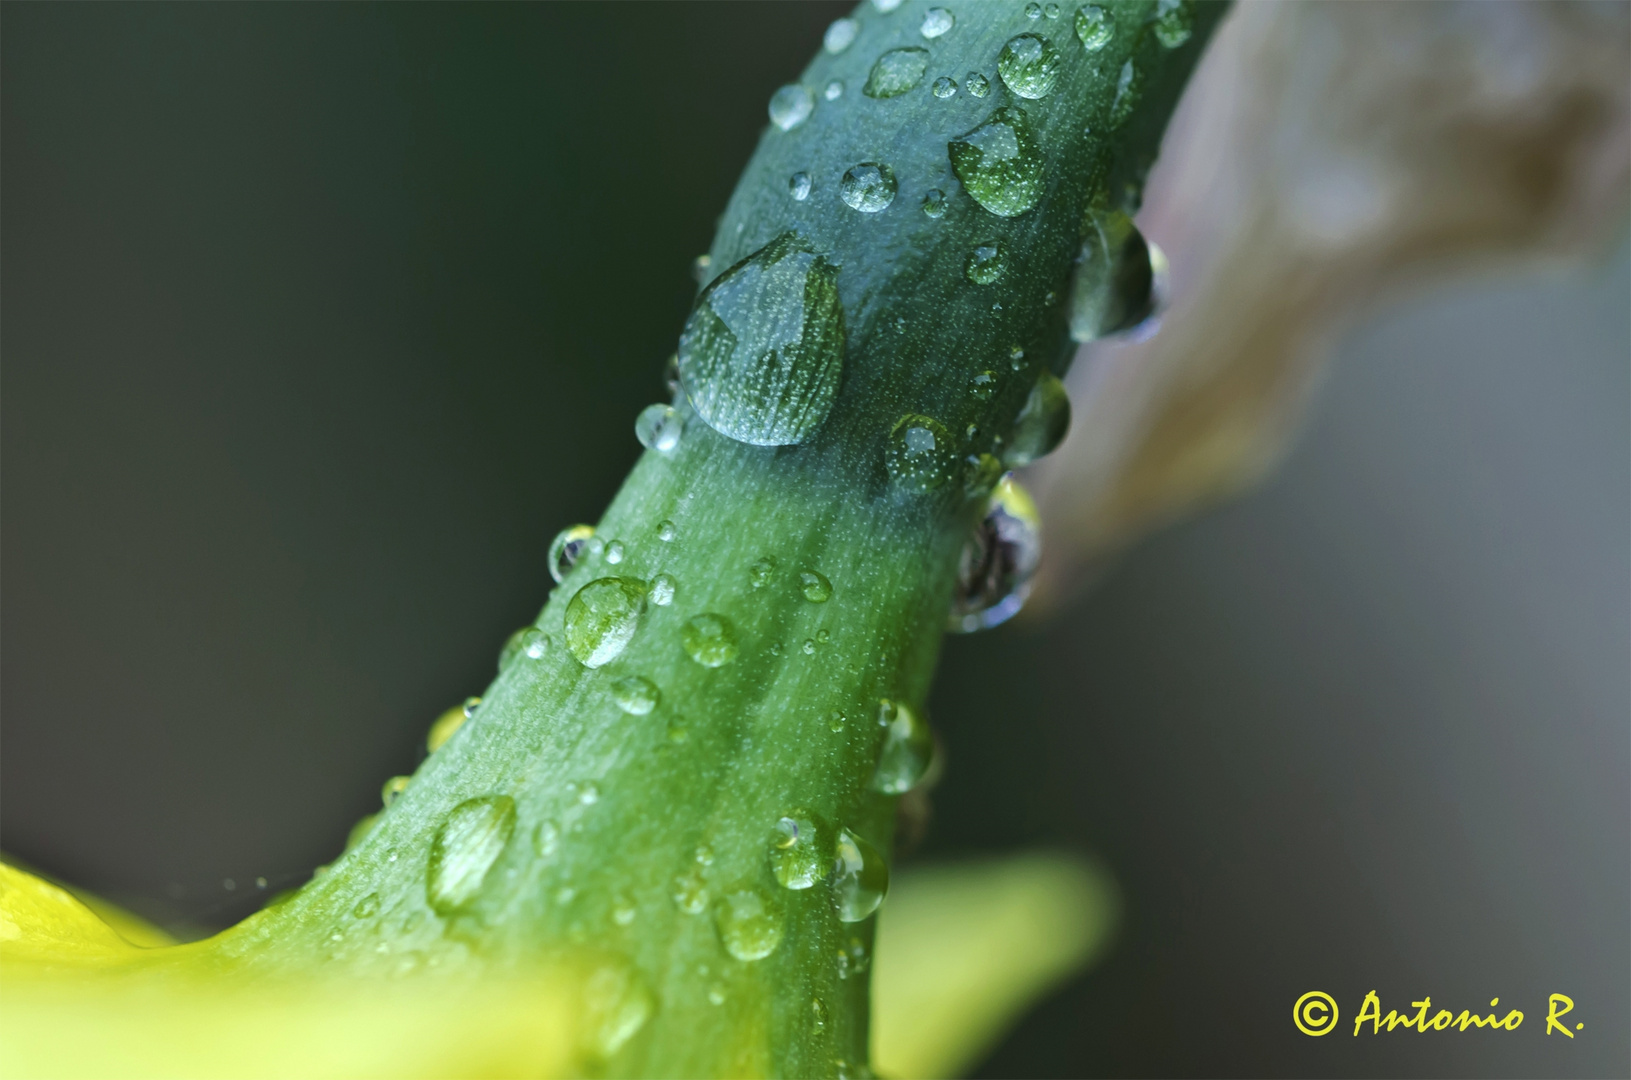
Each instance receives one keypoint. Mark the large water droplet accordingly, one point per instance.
(861, 878)
(1041, 424)
(1094, 27)
(868, 187)
(936, 21)
(761, 353)
(465, 848)
(908, 744)
(816, 588)
(840, 35)
(986, 263)
(658, 428)
(602, 618)
(920, 455)
(800, 850)
(995, 569)
(709, 639)
(750, 923)
(1030, 65)
(791, 106)
(567, 548)
(999, 163)
(393, 787)
(616, 1006)
(1112, 288)
(635, 696)
(896, 72)
(977, 84)
(1174, 21)
(798, 186)
(663, 587)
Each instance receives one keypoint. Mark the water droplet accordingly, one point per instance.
(868, 187)
(896, 72)
(834, 90)
(840, 35)
(1129, 89)
(816, 588)
(602, 618)
(616, 1006)
(666, 531)
(809, 646)
(791, 106)
(395, 786)
(936, 21)
(775, 648)
(635, 696)
(886, 6)
(934, 203)
(907, 747)
(367, 907)
(818, 1014)
(565, 895)
(861, 878)
(1016, 357)
(1094, 27)
(749, 922)
(1041, 424)
(1030, 65)
(981, 472)
(704, 855)
(983, 385)
(710, 640)
(469, 841)
(546, 839)
(800, 850)
(1174, 21)
(1114, 285)
(658, 427)
(1033, 11)
(920, 456)
(761, 353)
(614, 552)
(999, 163)
(623, 911)
(567, 548)
(836, 721)
(759, 573)
(798, 186)
(1051, 11)
(716, 993)
(662, 589)
(977, 84)
(510, 649)
(589, 791)
(986, 263)
(444, 727)
(691, 892)
(997, 563)
(701, 266)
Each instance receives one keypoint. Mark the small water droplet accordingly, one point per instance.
(977, 84)
(840, 35)
(666, 531)
(800, 850)
(565, 895)
(981, 472)
(809, 646)
(816, 588)
(749, 922)
(775, 648)
(716, 994)
(934, 203)
(983, 385)
(337, 935)
(861, 878)
(567, 548)
(691, 892)
(1129, 89)
(709, 639)
(1174, 21)
(1041, 424)
(791, 106)
(834, 90)
(602, 618)
(944, 87)
(886, 6)
(1016, 357)
(1030, 65)
(986, 263)
(662, 589)
(589, 791)
(868, 187)
(818, 1014)
(999, 163)
(1115, 285)
(510, 649)
(836, 721)
(896, 72)
(658, 427)
(395, 786)
(1051, 11)
(936, 21)
(546, 839)
(920, 455)
(761, 353)
(677, 732)
(701, 267)
(614, 552)
(798, 186)
(704, 855)
(623, 911)
(367, 907)
(616, 1005)
(1094, 27)
(997, 562)
(759, 573)
(1033, 11)
(465, 847)
(635, 696)
(444, 727)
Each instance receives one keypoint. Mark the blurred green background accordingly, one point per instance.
(320, 321)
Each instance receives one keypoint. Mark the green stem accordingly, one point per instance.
(617, 814)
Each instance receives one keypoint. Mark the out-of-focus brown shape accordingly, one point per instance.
(1323, 155)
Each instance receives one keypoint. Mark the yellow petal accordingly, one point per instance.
(964, 950)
